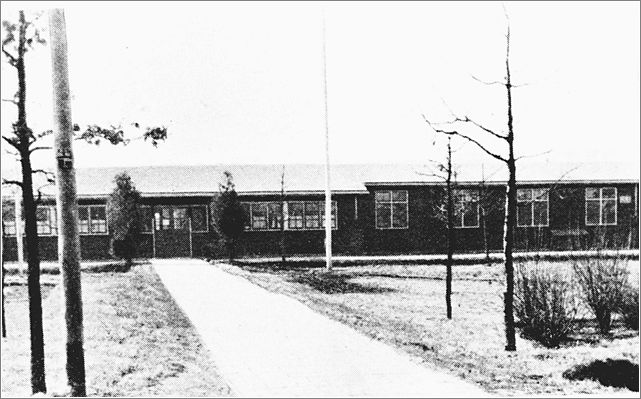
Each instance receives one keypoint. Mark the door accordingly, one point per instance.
(172, 232)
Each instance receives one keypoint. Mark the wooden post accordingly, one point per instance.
(68, 238)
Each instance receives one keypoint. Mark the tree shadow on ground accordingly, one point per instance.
(613, 373)
(334, 283)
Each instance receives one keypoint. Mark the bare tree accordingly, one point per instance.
(446, 173)
(283, 243)
(24, 143)
(511, 204)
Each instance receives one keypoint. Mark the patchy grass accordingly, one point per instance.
(612, 373)
(405, 307)
(53, 268)
(137, 340)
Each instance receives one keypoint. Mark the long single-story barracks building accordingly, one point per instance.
(376, 209)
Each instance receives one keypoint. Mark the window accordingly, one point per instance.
(9, 220)
(296, 215)
(46, 221)
(299, 215)
(600, 206)
(146, 219)
(92, 219)
(274, 216)
(247, 210)
(532, 207)
(259, 212)
(180, 218)
(466, 209)
(199, 218)
(391, 209)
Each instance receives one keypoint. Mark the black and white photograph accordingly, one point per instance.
(316, 199)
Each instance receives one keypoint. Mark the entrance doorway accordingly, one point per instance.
(172, 232)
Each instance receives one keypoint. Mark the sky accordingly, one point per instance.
(243, 82)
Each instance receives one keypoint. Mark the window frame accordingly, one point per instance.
(531, 202)
(460, 218)
(190, 216)
(52, 220)
(601, 201)
(287, 216)
(90, 231)
(391, 203)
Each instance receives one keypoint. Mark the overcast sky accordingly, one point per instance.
(243, 83)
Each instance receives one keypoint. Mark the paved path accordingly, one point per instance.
(270, 345)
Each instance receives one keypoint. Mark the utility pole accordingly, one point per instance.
(328, 191)
(68, 239)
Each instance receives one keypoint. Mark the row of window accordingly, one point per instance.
(391, 212)
(533, 208)
(298, 215)
(92, 219)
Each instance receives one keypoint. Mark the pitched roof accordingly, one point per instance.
(204, 179)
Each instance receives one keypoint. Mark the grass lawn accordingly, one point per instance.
(404, 306)
(137, 340)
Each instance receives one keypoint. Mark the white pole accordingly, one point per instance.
(328, 192)
(18, 215)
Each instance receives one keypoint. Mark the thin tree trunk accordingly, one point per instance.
(68, 238)
(450, 233)
(511, 208)
(4, 319)
(282, 218)
(23, 132)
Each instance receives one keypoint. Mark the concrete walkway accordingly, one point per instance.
(270, 345)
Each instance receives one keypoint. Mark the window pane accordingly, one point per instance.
(245, 206)
(83, 218)
(399, 195)
(592, 193)
(145, 219)
(524, 194)
(399, 215)
(383, 215)
(540, 195)
(540, 213)
(383, 196)
(259, 216)
(43, 220)
(608, 192)
(8, 220)
(199, 218)
(295, 216)
(471, 215)
(166, 218)
(524, 214)
(609, 211)
(592, 212)
(312, 215)
(274, 215)
(98, 219)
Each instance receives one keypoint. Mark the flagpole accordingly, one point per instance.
(328, 192)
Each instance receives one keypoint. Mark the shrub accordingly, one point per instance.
(602, 282)
(123, 214)
(544, 304)
(629, 307)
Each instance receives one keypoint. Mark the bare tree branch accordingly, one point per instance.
(34, 149)
(496, 82)
(468, 120)
(13, 61)
(432, 175)
(48, 174)
(456, 133)
(533, 155)
(14, 102)
(12, 142)
(14, 182)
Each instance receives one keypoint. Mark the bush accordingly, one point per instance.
(602, 282)
(629, 307)
(544, 304)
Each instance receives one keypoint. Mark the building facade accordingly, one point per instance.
(369, 216)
